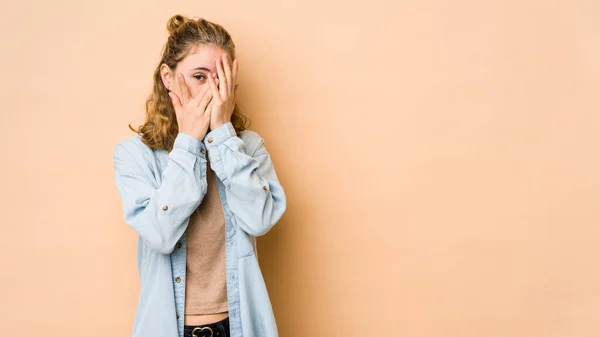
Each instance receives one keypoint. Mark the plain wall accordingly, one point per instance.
(440, 160)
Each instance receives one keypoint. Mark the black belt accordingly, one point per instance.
(217, 329)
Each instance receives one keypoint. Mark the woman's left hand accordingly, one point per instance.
(223, 100)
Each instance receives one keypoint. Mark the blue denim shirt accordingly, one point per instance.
(159, 191)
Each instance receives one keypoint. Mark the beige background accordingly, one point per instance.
(440, 161)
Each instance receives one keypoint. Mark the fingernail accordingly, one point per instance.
(179, 75)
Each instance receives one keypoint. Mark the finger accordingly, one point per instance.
(235, 72)
(175, 100)
(185, 93)
(206, 99)
(199, 97)
(215, 78)
(208, 110)
(178, 97)
(222, 78)
(228, 72)
(213, 87)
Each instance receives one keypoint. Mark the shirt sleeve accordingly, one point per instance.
(253, 191)
(160, 214)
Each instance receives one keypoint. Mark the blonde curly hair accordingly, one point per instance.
(160, 127)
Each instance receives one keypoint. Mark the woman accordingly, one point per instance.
(198, 188)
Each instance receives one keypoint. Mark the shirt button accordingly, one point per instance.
(177, 316)
(165, 207)
(178, 245)
(202, 151)
(265, 188)
(178, 280)
(210, 140)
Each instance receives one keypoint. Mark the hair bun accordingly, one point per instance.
(175, 22)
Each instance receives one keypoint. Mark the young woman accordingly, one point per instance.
(198, 188)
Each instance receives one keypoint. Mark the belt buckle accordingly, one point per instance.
(202, 329)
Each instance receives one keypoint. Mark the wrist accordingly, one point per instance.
(188, 142)
(221, 122)
(219, 135)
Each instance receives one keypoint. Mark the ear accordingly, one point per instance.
(167, 76)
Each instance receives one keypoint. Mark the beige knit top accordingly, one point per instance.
(206, 286)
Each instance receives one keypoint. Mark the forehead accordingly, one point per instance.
(201, 56)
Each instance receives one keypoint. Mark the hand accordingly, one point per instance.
(223, 91)
(193, 114)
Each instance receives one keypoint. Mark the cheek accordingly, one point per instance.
(198, 89)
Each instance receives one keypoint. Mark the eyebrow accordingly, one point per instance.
(202, 68)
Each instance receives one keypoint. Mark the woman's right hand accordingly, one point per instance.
(193, 113)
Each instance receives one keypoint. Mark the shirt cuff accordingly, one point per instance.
(188, 143)
(219, 135)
